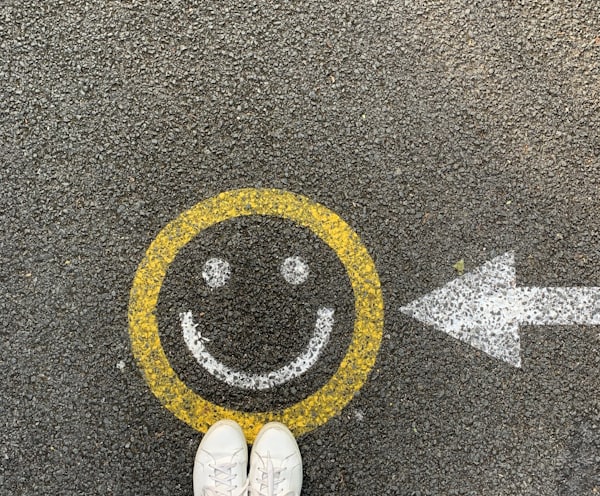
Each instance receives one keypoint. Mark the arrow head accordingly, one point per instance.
(477, 308)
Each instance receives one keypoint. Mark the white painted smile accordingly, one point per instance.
(216, 273)
(244, 380)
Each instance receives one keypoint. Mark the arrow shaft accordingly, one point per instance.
(556, 306)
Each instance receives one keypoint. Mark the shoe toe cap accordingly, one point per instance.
(225, 438)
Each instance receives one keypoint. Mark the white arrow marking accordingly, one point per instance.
(484, 308)
(238, 378)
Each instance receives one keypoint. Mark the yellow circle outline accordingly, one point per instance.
(353, 371)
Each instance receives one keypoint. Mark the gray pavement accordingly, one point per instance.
(439, 131)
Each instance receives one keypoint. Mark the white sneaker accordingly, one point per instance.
(221, 461)
(275, 463)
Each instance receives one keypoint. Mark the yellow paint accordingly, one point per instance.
(352, 373)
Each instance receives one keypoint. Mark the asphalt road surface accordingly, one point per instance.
(427, 133)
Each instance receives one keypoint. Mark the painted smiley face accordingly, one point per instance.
(162, 283)
(262, 307)
(216, 273)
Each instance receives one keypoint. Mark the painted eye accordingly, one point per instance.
(216, 272)
(294, 270)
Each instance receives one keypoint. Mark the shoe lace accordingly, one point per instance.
(224, 484)
(269, 477)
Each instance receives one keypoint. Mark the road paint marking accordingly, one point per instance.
(484, 308)
(294, 270)
(353, 371)
(236, 378)
(216, 272)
